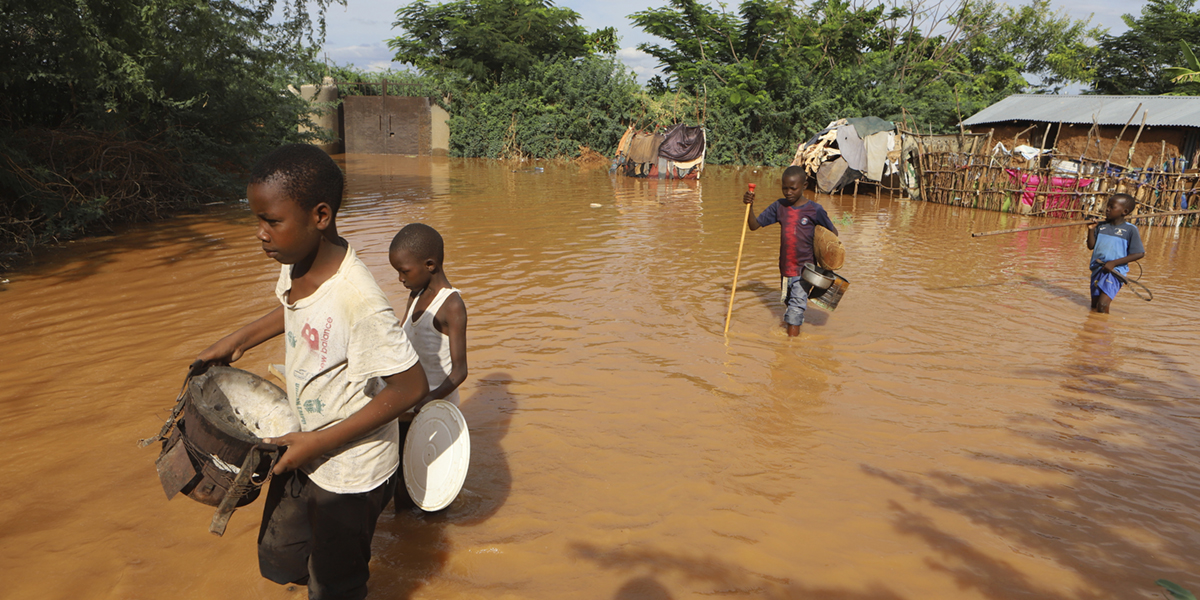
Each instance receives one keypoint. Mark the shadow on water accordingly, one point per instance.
(1106, 502)
(722, 578)
(769, 297)
(643, 588)
(1052, 287)
(178, 238)
(412, 547)
(1074, 296)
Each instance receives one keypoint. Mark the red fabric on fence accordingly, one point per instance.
(1056, 204)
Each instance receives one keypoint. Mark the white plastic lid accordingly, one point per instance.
(437, 453)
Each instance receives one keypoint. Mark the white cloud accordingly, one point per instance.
(631, 53)
(643, 65)
(372, 57)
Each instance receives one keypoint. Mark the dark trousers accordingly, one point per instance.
(319, 538)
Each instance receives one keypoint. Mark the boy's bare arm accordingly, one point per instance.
(824, 221)
(452, 318)
(231, 347)
(1091, 241)
(402, 392)
(1112, 264)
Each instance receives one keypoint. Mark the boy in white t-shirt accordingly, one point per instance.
(339, 470)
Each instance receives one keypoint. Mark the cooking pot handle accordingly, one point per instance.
(196, 368)
(275, 452)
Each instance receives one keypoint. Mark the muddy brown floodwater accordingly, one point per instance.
(960, 427)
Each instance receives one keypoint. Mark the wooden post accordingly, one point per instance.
(1044, 174)
(1145, 190)
(1077, 203)
(981, 201)
(1087, 146)
(1162, 153)
(1129, 160)
(1119, 136)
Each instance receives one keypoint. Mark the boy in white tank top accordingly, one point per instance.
(436, 317)
(435, 321)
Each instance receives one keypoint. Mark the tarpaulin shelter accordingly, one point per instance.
(848, 150)
(677, 153)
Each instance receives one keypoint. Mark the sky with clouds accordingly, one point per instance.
(358, 32)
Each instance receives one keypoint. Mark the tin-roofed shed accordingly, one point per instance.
(1064, 122)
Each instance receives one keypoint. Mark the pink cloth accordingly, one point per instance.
(1054, 202)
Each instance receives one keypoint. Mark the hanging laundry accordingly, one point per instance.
(877, 151)
(852, 148)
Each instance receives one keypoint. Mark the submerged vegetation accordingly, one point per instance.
(119, 110)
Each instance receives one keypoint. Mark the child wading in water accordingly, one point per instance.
(797, 225)
(436, 319)
(1114, 244)
(339, 470)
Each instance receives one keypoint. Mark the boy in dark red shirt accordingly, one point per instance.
(797, 223)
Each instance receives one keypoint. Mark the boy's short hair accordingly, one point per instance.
(1125, 199)
(307, 175)
(795, 171)
(421, 240)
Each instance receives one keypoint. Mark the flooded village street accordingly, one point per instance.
(960, 427)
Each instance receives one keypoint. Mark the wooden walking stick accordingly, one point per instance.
(738, 267)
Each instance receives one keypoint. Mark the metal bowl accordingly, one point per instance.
(815, 277)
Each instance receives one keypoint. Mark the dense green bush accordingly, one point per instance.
(777, 71)
(761, 79)
(548, 113)
(118, 110)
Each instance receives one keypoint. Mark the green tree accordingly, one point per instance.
(1136, 61)
(124, 109)
(487, 39)
(777, 71)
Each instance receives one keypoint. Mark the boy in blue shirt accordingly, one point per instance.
(1114, 244)
(797, 226)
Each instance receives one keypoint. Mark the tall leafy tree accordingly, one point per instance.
(777, 70)
(120, 109)
(485, 39)
(1135, 62)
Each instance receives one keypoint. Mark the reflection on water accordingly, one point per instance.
(960, 427)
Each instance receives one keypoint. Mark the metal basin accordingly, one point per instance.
(814, 277)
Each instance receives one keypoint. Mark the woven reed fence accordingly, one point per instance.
(978, 174)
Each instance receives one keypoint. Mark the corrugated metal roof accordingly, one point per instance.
(1178, 111)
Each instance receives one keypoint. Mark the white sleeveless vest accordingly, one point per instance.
(431, 345)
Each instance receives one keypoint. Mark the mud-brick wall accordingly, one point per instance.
(1072, 140)
(395, 125)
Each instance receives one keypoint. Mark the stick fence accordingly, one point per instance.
(982, 175)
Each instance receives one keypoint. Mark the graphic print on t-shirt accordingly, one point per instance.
(318, 340)
(310, 335)
(314, 405)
